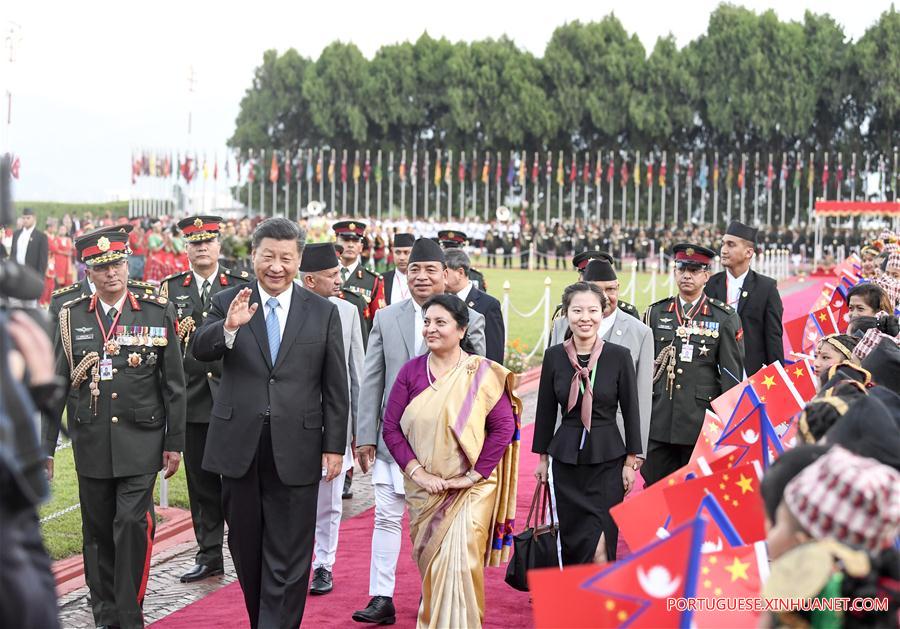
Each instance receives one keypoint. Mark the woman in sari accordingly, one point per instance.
(451, 423)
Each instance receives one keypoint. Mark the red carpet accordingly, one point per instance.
(802, 301)
(505, 607)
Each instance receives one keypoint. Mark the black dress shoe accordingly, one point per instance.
(380, 611)
(347, 493)
(322, 582)
(199, 572)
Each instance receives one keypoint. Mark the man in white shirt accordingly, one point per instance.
(395, 285)
(29, 245)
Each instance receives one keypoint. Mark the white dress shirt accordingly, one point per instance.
(607, 323)
(399, 287)
(199, 279)
(284, 303)
(22, 244)
(351, 268)
(734, 285)
(419, 321)
(464, 293)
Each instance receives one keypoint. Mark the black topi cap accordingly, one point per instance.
(427, 250)
(318, 256)
(404, 240)
(599, 271)
(739, 230)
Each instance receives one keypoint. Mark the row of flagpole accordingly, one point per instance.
(479, 187)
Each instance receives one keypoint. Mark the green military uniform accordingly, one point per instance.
(202, 380)
(82, 288)
(360, 280)
(126, 374)
(699, 356)
(360, 303)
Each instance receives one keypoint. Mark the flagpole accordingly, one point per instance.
(637, 187)
(598, 187)
(650, 191)
(610, 184)
(403, 185)
(390, 184)
(839, 176)
(413, 184)
(449, 182)
(675, 196)
(704, 181)
(894, 181)
(498, 170)
(298, 163)
(715, 190)
(769, 193)
(743, 184)
(560, 180)
(425, 173)
(355, 182)
(486, 167)
(438, 164)
(332, 171)
(320, 167)
(462, 187)
(250, 166)
(624, 187)
(574, 183)
(587, 163)
(378, 184)
(798, 168)
(853, 176)
(811, 183)
(756, 188)
(662, 189)
(473, 176)
(368, 175)
(783, 188)
(689, 182)
(549, 171)
(262, 189)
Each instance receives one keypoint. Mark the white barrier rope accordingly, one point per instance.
(533, 310)
(60, 513)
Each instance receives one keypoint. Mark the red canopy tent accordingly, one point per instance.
(825, 209)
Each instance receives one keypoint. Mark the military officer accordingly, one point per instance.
(355, 277)
(699, 355)
(356, 299)
(450, 239)
(117, 350)
(190, 292)
(84, 287)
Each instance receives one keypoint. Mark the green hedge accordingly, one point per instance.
(46, 209)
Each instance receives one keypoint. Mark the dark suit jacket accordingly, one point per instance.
(388, 279)
(615, 386)
(306, 390)
(760, 311)
(494, 330)
(38, 252)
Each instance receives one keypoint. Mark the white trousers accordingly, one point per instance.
(329, 509)
(389, 506)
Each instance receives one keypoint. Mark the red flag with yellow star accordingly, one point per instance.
(731, 573)
(633, 592)
(705, 450)
(825, 321)
(775, 389)
(801, 376)
(736, 494)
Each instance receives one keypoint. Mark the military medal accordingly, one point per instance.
(704, 350)
(111, 348)
(151, 359)
(134, 359)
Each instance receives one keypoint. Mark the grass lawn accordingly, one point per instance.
(527, 288)
(62, 535)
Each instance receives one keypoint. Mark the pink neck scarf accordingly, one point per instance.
(582, 374)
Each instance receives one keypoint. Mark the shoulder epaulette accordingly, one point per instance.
(171, 277)
(159, 300)
(721, 305)
(74, 301)
(362, 269)
(241, 275)
(624, 306)
(661, 301)
(646, 317)
(65, 289)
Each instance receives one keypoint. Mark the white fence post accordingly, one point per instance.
(545, 337)
(505, 308)
(633, 281)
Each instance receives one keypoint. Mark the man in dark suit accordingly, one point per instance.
(29, 244)
(191, 291)
(458, 283)
(278, 423)
(754, 296)
(395, 288)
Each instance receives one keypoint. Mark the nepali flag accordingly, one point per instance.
(840, 308)
(731, 502)
(633, 592)
(751, 433)
(802, 334)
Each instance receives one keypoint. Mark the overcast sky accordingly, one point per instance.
(91, 80)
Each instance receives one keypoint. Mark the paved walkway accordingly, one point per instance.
(166, 594)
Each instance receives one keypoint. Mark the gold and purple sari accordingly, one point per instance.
(456, 533)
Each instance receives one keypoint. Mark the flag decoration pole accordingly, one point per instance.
(689, 184)
(598, 182)
(309, 175)
(414, 184)
(251, 176)
(610, 176)
(462, 186)
(783, 185)
(650, 160)
(473, 177)
(549, 172)
(366, 177)
(623, 181)
(769, 170)
(437, 184)
(715, 189)
(704, 176)
(853, 176)
(320, 178)
(560, 181)
(448, 179)
(498, 175)
(675, 196)
(809, 184)
(756, 188)
(895, 182)
(391, 184)
(262, 184)
(378, 183)
(637, 186)
(425, 166)
(331, 176)
(355, 182)
(839, 176)
(287, 184)
(662, 188)
(742, 184)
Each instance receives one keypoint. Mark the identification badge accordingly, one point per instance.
(687, 353)
(106, 369)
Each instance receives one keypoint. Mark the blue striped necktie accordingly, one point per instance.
(273, 329)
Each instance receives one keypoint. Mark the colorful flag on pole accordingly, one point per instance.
(810, 174)
(770, 175)
(273, 169)
(632, 592)
(716, 172)
(825, 175)
(704, 175)
(586, 171)
(573, 170)
(650, 174)
(662, 174)
(356, 168)
(448, 172)
(498, 173)
(319, 167)
(598, 172)
(331, 168)
(344, 169)
(729, 178)
(534, 169)
(401, 170)
(378, 171)
(287, 167)
(560, 176)
(486, 169)
(438, 173)
(740, 177)
(510, 173)
(461, 175)
(610, 169)
(623, 173)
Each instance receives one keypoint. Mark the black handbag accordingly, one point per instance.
(535, 547)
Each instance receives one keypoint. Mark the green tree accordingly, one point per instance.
(877, 60)
(334, 87)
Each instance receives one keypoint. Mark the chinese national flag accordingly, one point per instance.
(705, 450)
(825, 321)
(633, 592)
(644, 517)
(739, 505)
(802, 334)
(731, 573)
(801, 376)
(775, 389)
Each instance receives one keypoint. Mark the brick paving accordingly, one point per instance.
(166, 594)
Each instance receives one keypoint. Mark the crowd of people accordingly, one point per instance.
(350, 337)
